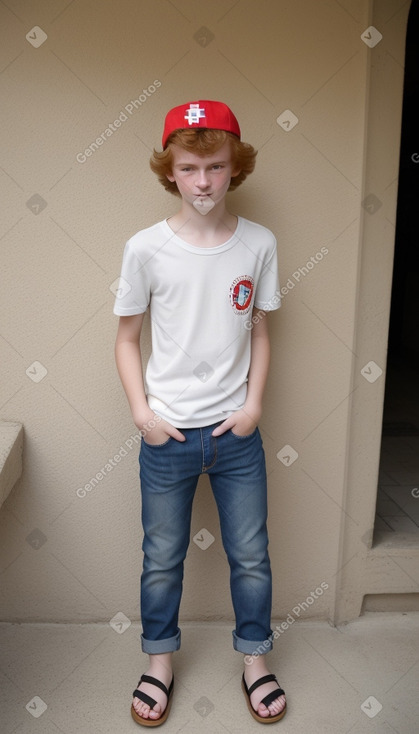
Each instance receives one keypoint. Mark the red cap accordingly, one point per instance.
(203, 114)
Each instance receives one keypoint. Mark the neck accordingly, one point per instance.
(204, 230)
(188, 219)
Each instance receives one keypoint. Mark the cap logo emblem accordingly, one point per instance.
(194, 113)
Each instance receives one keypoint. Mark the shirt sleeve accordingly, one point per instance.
(133, 293)
(268, 295)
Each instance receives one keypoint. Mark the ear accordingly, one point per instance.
(170, 177)
(236, 172)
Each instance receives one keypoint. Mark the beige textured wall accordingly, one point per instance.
(66, 217)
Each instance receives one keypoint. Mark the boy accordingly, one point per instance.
(201, 272)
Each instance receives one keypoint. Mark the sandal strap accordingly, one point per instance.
(145, 698)
(155, 682)
(272, 696)
(260, 682)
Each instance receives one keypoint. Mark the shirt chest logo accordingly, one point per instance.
(241, 293)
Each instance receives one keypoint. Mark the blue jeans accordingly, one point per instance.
(169, 475)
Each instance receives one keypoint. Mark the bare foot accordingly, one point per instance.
(160, 668)
(252, 673)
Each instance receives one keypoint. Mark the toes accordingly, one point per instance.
(156, 712)
(144, 710)
(277, 706)
(141, 708)
(273, 709)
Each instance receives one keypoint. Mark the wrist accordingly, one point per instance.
(253, 409)
(143, 416)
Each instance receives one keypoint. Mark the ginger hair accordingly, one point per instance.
(203, 141)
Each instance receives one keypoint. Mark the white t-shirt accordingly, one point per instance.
(201, 302)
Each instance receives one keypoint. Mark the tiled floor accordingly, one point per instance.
(361, 678)
(398, 489)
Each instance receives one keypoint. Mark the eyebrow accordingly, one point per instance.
(213, 163)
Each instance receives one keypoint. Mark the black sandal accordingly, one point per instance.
(151, 702)
(266, 701)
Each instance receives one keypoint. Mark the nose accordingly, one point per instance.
(201, 180)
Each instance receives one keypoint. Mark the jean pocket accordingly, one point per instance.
(248, 435)
(156, 445)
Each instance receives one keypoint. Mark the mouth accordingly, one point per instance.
(203, 203)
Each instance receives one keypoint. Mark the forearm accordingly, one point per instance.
(258, 371)
(130, 370)
(243, 422)
(129, 366)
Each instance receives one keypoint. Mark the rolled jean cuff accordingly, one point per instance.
(158, 647)
(252, 647)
